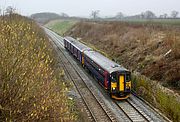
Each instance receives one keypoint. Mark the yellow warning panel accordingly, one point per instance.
(121, 83)
(82, 58)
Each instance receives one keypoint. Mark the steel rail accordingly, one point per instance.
(107, 114)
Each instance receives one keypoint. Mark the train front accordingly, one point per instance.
(120, 84)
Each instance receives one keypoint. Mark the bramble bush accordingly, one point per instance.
(32, 88)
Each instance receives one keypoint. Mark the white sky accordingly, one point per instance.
(84, 7)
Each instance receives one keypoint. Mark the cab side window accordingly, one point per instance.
(113, 78)
(128, 77)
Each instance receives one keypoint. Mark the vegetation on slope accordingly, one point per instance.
(45, 17)
(138, 47)
(32, 88)
(61, 26)
(160, 97)
(145, 48)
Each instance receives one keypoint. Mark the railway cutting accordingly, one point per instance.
(98, 108)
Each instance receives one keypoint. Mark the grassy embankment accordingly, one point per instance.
(61, 26)
(32, 88)
(141, 47)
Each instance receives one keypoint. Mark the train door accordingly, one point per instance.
(64, 42)
(106, 80)
(69, 47)
(121, 82)
(82, 55)
(78, 54)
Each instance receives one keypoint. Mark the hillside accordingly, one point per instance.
(60, 26)
(150, 49)
(45, 17)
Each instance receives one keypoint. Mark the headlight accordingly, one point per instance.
(113, 84)
(113, 88)
(128, 84)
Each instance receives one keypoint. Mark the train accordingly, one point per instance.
(114, 78)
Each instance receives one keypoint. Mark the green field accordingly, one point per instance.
(61, 26)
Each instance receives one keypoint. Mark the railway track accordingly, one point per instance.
(132, 112)
(97, 110)
(147, 110)
(132, 109)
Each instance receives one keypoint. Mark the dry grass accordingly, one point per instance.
(31, 88)
(173, 41)
(131, 44)
(141, 47)
(163, 99)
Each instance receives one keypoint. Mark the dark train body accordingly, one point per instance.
(112, 76)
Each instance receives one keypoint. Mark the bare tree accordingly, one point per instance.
(165, 15)
(64, 15)
(174, 14)
(10, 10)
(142, 15)
(149, 15)
(95, 14)
(119, 15)
(161, 16)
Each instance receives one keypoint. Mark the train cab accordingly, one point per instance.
(120, 84)
(112, 76)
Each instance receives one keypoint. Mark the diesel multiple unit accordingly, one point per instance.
(112, 76)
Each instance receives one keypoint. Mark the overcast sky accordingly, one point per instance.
(84, 7)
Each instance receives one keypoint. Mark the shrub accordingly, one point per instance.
(140, 47)
(160, 97)
(31, 89)
(173, 41)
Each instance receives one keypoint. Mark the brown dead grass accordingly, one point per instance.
(141, 48)
(138, 47)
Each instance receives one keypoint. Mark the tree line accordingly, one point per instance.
(144, 15)
(95, 14)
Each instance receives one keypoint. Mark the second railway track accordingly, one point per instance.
(132, 112)
(98, 111)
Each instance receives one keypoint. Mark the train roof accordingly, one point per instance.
(104, 62)
(80, 46)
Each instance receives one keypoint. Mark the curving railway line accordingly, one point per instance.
(132, 109)
(98, 111)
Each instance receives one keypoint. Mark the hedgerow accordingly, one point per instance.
(32, 88)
